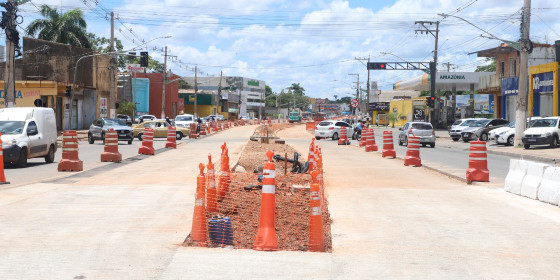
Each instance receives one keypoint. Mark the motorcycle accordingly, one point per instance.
(357, 134)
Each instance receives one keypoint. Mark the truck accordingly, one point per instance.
(28, 132)
(294, 117)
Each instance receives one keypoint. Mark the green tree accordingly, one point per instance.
(491, 67)
(126, 108)
(297, 89)
(269, 97)
(65, 28)
(184, 85)
(393, 117)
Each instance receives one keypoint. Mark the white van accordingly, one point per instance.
(27, 132)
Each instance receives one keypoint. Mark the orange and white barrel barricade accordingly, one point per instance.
(193, 134)
(70, 160)
(311, 155)
(171, 137)
(370, 142)
(202, 129)
(199, 230)
(266, 239)
(316, 234)
(478, 164)
(2, 175)
(365, 135)
(147, 147)
(242, 122)
(211, 192)
(388, 148)
(413, 152)
(224, 178)
(111, 152)
(343, 138)
(209, 129)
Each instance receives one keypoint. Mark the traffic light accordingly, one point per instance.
(430, 101)
(68, 91)
(377, 66)
(144, 59)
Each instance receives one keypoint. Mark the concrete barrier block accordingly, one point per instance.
(532, 180)
(516, 173)
(549, 190)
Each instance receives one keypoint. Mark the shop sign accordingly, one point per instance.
(379, 106)
(543, 82)
(102, 107)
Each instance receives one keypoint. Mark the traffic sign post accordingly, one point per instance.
(354, 103)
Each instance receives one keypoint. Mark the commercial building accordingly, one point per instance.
(173, 104)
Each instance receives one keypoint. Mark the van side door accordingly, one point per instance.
(36, 144)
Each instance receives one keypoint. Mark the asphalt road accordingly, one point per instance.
(37, 170)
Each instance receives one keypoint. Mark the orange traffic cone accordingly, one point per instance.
(413, 152)
(70, 160)
(266, 239)
(2, 176)
(365, 136)
(370, 142)
(343, 139)
(111, 152)
(223, 179)
(388, 148)
(202, 129)
(198, 230)
(316, 235)
(211, 203)
(311, 155)
(147, 147)
(171, 138)
(478, 165)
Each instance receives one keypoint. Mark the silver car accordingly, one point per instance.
(331, 129)
(422, 129)
(100, 126)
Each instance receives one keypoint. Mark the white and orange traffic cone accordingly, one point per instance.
(111, 150)
(211, 201)
(198, 230)
(388, 148)
(70, 160)
(316, 235)
(266, 239)
(478, 164)
(171, 138)
(413, 152)
(147, 147)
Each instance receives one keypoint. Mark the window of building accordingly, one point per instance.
(502, 68)
(513, 67)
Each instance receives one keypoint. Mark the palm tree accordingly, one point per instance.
(297, 89)
(65, 28)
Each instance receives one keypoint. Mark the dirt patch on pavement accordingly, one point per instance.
(242, 202)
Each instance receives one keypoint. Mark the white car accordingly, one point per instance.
(545, 131)
(458, 126)
(184, 120)
(331, 129)
(505, 135)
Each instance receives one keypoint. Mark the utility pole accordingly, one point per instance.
(364, 103)
(425, 27)
(357, 93)
(111, 72)
(220, 93)
(448, 65)
(521, 111)
(10, 74)
(195, 90)
(164, 84)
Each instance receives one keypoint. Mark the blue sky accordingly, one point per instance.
(311, 42)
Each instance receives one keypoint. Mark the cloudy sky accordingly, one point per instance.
(311, 42)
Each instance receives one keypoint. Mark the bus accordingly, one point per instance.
(294, 117)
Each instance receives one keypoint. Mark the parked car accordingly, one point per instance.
(545, 131)
(459, 125)
(423, 129)
(184, 120)
(99, 127)
(160, 128)
(144, 118)
(125, 118)
(493, 134)
(28, 132)
(505, 135)
(331, 129)
(481, 128)
(245, 118)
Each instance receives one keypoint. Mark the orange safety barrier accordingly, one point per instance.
(370, 142)
(147, 147)
(316, 235)
(311, 155)
(2, 175)
(343, 138)
(478, 165)
(111, 151)
(211, 202)
(310, 126)
(413, 152)
(171, 138)
(224, 178)
(202, 129)
(266, 239)
(210, 130)
(70, 160)
(193, 134)
(365, 136)
(198, 230)
(388, 148)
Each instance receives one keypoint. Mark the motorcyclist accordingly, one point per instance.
(358, 129)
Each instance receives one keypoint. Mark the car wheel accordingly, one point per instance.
(22, 161)
(179, 135)
(526, 146)
(400, 142)
(49, 158)
(423, 144)
(317, 137)
(432, 145)
(139, 136)
(465, 140)
(484, 137)
(130, 142)
(510, 141)
(335, 136)
(455, 139)
(103, 138)
(354, 136)
(90, 138)
(554, 142)
(406, 142)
